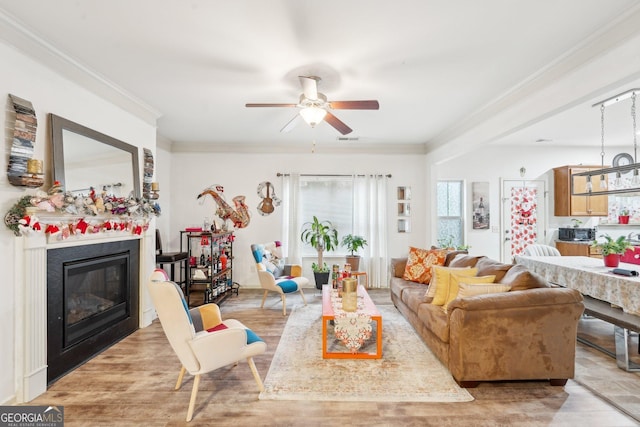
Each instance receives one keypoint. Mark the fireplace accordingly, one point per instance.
(92, 301)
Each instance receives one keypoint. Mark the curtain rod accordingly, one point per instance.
(279, 174)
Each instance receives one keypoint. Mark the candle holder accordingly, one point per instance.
(154, 194)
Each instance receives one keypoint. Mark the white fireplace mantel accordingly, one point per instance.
(31, 302)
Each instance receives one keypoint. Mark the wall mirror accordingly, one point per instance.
(85, 158)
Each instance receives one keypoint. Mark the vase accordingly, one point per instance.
(350, 294)
(611, 260)
(623, 219)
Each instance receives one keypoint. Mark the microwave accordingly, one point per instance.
(576, 234)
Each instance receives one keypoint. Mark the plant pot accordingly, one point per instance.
(611, 260)
(354, 262)
(321, 278)
(623, 219)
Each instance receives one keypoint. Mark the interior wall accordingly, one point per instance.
(494, 163)
(241, 173)
(49, 93)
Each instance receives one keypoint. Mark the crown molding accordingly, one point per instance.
(30, 44)
(301, 148)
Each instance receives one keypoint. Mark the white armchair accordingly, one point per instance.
(275, 276)
(200, 338)
(540, 250)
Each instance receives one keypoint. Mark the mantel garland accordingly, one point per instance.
(65, 214)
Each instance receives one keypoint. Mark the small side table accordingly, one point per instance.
(361, 273)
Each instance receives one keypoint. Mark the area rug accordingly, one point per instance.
(407, 372)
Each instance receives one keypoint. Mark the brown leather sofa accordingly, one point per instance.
(528, 333)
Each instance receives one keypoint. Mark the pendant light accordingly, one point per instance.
(618, 185)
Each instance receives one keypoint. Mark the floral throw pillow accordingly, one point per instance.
(419, 263)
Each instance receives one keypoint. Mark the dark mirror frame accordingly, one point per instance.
(59, 124)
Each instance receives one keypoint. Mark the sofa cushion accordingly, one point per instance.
(462, 260)
(487, 266)
(419, 264)
(456, 280)
(435, 319)
(520, 278)
(398, 266)
(440, 275)
(451, 256)
(413, 296)
(469, 290)
(442, 281)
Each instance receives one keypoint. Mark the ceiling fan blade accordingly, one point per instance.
(309, 87)
(355, 105)
(337, 123)
(292, 123)
(270, 105)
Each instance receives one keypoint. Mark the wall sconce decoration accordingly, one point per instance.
(23, 171)
(623, 163)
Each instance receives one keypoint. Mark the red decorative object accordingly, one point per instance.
(623, 219)
(82, 225)
(611, 260)
(223, 260)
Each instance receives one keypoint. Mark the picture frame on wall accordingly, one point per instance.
(404, 226)
(404, 209)
(481, 213)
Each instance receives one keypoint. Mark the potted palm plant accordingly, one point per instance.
(322, 236)
(353, 244)
(612, 249)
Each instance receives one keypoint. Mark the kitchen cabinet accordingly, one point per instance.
(567, 205)
(578, 249)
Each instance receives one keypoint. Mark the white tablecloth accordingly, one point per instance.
(590, 277)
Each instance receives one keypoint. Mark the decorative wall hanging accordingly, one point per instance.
(239, 216)
(481, 212)
(524, 218)
(147, 191)
(269, 199)
(404, 209)
(23, 171)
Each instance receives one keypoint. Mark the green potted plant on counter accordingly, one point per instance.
(623, 216)
(322, 236)
(353, 244)
(612, 249)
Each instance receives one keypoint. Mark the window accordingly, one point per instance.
(450, 213)
(329, 199)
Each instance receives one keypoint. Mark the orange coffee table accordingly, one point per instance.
(365, 307)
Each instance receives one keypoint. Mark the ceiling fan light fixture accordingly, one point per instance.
(313, 115)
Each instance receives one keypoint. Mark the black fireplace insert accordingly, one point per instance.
(93, 297)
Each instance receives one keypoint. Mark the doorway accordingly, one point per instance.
(523, 214)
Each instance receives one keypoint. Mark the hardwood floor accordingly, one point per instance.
(132, 383)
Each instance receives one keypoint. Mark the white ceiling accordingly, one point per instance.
(430, 63)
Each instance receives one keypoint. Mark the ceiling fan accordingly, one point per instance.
(314, 107)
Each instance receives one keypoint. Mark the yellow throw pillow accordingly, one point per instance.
(456, 280)
(440, 280)
(469, 290)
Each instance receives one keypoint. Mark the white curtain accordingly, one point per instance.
(370, 221)
(291, 218)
